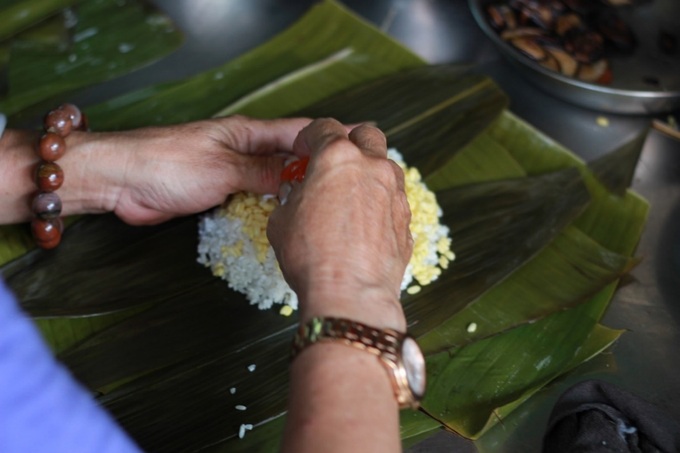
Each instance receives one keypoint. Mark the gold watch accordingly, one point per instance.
(398, 352)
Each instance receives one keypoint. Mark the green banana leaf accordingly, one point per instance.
(18, 15)
(4, 59)
(576, 267)
(558, 267)
(16, 240)
(483, 159)
(615, 170)
(624, 217)
(46, 289)
(616, 222)
(109, 39)
(49, 32)
(404, 104)
(328, 50)
(484, 367)
(183, 380)
(52, 31)
(596, 341)
(415, 426)
(493, 228)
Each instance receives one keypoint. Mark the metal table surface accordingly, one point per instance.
(443, 31)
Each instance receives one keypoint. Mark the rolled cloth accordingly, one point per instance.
(596, 416)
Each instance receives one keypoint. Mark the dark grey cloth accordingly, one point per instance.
(596, 416)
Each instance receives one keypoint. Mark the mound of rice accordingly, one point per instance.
(233, 244)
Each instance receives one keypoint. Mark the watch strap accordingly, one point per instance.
(384, 343)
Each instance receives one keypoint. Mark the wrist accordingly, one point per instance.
(95, 167)
(17, 173)
(373, 306)
(358, 399)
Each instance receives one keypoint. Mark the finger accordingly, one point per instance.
(318, 135)
(251, 136)
(399, 175)
(258, 174)
(370, 140)
(289, 194)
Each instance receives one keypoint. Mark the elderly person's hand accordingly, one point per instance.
(150, 175)
(184, 169)
(342, 237)
(343, 242)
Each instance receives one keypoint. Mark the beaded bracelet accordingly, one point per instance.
(46, 225)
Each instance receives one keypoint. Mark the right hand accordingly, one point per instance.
(342, 238)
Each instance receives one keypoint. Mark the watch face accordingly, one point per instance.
(414, 363)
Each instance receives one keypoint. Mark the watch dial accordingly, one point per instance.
(414, 362)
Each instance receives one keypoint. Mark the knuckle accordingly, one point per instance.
(337, 150)
(369, 132)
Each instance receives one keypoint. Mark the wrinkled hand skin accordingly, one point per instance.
(164, 172)
(342, 237)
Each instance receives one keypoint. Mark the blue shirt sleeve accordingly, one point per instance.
(42, 407)
(3, 123)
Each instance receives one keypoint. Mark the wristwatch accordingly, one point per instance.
(398, 352)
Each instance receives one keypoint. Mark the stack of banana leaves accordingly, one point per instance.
(541, 237)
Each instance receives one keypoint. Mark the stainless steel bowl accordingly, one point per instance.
(629, 92)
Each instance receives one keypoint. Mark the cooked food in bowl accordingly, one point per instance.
(571, 37)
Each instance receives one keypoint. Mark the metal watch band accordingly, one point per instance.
(383, 343)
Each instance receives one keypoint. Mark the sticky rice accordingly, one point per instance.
(233, 244)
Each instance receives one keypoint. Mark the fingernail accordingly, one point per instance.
(290, 160)
(284, 190)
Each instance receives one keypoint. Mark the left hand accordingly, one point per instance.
(150, 175)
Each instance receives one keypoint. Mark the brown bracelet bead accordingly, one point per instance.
(46, 225)
(47, 232)
(49, 177)
(74, 113)
(52, 147)
(59, 122)
(47, 205)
